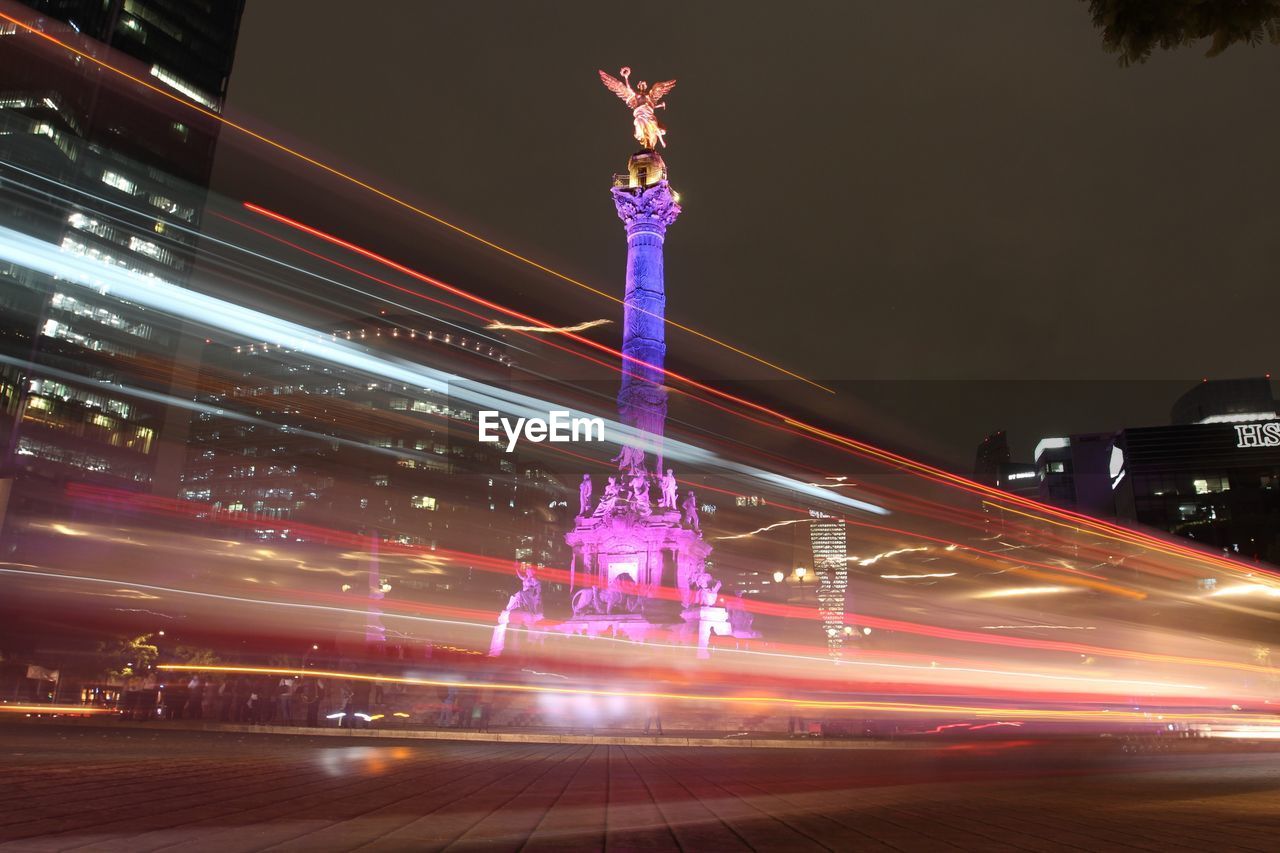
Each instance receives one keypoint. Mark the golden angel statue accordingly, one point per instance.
(643, 101)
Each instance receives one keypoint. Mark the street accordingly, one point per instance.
(72, 787)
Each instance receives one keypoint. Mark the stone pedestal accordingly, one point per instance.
(702, 622)
(511, 619)
(626, 626)
(654, 550)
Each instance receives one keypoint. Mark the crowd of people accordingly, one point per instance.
(295, 700)
(264, 699)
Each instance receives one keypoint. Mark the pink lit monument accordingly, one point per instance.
(639, 559)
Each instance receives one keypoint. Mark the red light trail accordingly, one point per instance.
(1093, 526)
(788, 424)
(208, 514)
(394, 199)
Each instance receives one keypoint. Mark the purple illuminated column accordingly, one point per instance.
(646, 205)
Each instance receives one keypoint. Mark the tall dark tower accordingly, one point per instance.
(992, 453)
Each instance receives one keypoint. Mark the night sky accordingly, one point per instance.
(971, 204)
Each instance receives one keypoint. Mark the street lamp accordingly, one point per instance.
(801, 571)
(779, 577)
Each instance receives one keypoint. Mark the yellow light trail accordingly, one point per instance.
(547, 330)
(1025, 590)
(830, 704)
(1144, 541)
(394, 199)
(1101, 651)
(1089, 526)
(54, 709)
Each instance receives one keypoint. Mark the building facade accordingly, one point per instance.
(107, 171)
(300, 448)
(1213, 475)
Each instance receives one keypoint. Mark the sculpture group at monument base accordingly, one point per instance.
(695, 629)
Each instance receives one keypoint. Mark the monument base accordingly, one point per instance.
(702, 622)
(624, 626)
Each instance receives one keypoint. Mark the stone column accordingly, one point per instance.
(646, 212)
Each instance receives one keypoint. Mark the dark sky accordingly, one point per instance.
(971, 192)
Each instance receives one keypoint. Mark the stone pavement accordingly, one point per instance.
(95, 789)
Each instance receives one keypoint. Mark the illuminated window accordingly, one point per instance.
(141, 440)
(175, 82)
(169, 206)
(1211, 485)
(132, 25)
(120, 182)
(423, 502)
(151, 250)
(80, 222)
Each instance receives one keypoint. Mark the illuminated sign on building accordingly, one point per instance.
(1258, 435)
(831, 568)
(1115, 466)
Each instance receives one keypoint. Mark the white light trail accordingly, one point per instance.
(765, 529)
(208, 311)
(1039, 627)
(870, 561)
(1247, 589)
(915, 577)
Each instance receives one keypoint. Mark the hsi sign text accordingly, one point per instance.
(1258, 435)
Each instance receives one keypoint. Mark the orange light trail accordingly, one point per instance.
(54, 709)
(394, 199)
(830, 704)
(1089, 525)
(788, 424)
(171, 506)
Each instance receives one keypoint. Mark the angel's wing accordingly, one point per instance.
(659, 90)
(613, 84)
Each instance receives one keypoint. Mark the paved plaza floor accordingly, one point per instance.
(67, 787)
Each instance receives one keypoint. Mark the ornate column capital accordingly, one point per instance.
(646, 210)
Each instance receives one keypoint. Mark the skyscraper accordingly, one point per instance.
(108, 171)
(827, 536)
(992, 453)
